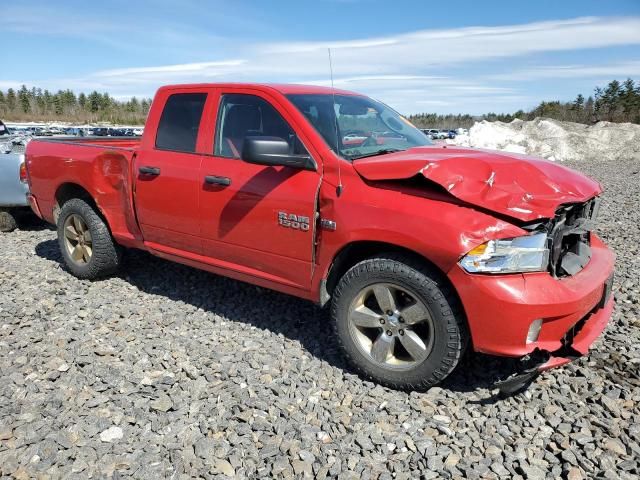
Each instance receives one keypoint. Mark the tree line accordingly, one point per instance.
(617, 102)
(36, 104)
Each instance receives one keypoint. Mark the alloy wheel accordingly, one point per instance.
(77, 239)
(391, 326)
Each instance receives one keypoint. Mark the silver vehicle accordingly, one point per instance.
(432, 133)
(13, 179)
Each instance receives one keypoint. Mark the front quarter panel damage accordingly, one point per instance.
(517, 186)
(394, 213)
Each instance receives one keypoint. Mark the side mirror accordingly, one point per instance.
(274, 151)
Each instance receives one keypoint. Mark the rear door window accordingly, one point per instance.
(180, 122)
(243, 115)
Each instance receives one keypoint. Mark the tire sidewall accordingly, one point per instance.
(447, 340)
(74, 208)
(106, 255)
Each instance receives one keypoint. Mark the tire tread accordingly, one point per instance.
(430, 281)
(106, 256)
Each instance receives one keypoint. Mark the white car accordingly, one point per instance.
(353, 139)
(431, 133)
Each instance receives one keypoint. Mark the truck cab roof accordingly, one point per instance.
(283, 88)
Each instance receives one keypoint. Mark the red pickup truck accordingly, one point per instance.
(421, 250)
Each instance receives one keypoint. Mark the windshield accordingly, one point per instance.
(364, 127)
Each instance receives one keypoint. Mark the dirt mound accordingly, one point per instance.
(557, 140)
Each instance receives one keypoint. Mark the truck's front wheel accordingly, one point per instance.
(85, 241)
(398, 322)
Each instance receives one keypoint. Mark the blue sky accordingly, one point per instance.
(417, 56)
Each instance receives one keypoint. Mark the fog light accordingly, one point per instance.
(534, 331)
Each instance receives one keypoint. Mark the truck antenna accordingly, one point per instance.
(335, 116)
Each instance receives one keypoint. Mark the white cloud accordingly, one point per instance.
(403, 70)
(169, 69)
(443, 47)
(115, 29)
(6, 84)
(608, 71)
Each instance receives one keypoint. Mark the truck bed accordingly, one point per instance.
(101, 167)
(127, 143)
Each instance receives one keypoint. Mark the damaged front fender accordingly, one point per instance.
(514, 185)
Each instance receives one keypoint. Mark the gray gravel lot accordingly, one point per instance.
(166, 371)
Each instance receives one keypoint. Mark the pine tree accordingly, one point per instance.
(629, 99)
(23, 98)
(589, 114)
(48, 101)
(579, 102)
(11, 100)
(94, 101)
(58, 105)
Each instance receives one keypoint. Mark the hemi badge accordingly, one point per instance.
(327, 224)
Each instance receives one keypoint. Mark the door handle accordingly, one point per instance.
(154, 171)
(214, 180)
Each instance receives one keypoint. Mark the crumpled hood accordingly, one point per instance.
(516, 185)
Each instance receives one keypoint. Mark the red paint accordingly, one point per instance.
(34, 205)
(515, 185)
(233, 230)
(509, 303)
(592, 329)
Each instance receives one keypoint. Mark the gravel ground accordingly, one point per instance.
(166, 371)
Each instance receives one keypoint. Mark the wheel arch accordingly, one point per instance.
(69, 190)
(354, 252)
(440, 298)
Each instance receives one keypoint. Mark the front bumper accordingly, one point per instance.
(574, 310)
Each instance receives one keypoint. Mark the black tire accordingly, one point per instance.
(448, 325)
(7, 221)
(106, 254)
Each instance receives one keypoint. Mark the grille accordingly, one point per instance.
(570, 237)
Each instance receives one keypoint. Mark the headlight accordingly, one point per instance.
(509, 255)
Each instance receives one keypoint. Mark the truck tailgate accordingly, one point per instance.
(13, 193)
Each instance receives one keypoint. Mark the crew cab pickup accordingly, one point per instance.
(421, 250)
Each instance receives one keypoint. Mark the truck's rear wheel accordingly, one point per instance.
(85, 241)
(7, 221)
(398, 323)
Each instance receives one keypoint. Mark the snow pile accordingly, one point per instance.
(556, 140)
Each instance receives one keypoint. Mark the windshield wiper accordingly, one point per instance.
(384, 151)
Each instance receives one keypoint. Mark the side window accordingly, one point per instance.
(180, 121)
(241, 116)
